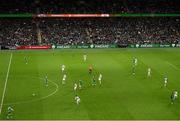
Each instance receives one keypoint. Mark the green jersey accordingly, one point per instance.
(80, 82)
(93, 81)
(133, 61)
(133, 69)
(10, 110)
(46, 80)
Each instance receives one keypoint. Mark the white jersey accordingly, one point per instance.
(135, 61)
(165, 80)
(75, 87)
(77, 99)
(64, 77)
(176, 94)
(85, 57)
(63, 67)
(100, 77)
(149, 71)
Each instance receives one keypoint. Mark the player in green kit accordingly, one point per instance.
(93, 81)
(46, 80)
(10, 111)
(133, 69)
(133, 60)
(26, 60)
(174, 96)
(80, 84)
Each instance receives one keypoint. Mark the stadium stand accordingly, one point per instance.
(90, 6)
(75, 31)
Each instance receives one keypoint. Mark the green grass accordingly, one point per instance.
(121, 96)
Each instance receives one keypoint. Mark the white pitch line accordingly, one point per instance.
(172, 65)
(4, 91)
(38, 99)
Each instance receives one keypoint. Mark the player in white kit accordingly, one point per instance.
(176, 94)
(165, 81)
(100, 79)
(75, 86)
(85, 58)
(64, 79)
(77, 99)
(63, 68)
(135, 61)
(149, 72)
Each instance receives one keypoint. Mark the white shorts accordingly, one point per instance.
(78, 101)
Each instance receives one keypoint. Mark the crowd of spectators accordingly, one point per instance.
(17, 32)
(89, 6)
(76, 31)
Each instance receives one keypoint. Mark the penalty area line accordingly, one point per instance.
(172, 65)
(5, 85)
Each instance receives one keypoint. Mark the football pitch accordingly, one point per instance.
(121, 95)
